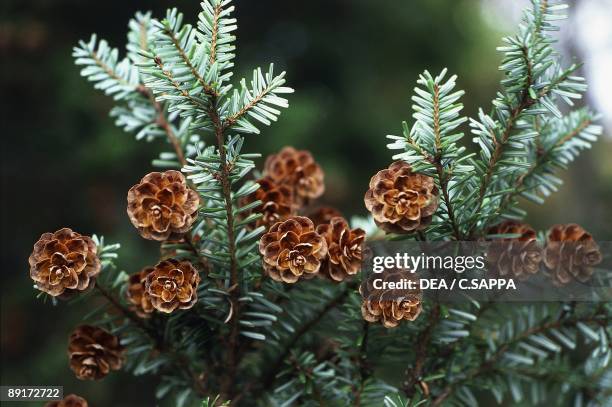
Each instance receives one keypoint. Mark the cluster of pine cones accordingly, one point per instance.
(298, 244)
(569, 254)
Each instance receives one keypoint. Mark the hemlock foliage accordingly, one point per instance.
(258, 342)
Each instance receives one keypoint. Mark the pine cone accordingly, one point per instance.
(292, 249)
(323, 215)
(71, 400)
(277, 202)
(570, 254)
(137, 294)
(297, 170)
(518, 257)
(173, 284)
(390, 306)
(64, 263)
(94, 352)
(400, 200)
(344, 247)
(162, 206)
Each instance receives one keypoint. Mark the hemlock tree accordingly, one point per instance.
(229, 314)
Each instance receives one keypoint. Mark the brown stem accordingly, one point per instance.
(205, 86)
(362, 362)
(234, 290)
(413, 375)
(214, 35)
(443, 177)
(275, 367)
(174, 141)
(127, 313)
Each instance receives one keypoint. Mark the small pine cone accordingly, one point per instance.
(161, 206)
(64, 263)
(517, 257)
(172, 284)
(401, 201)
(297, 170)
(570, 254)
(71, 400)
(323, 215)
(344, 247)
(94, 352)
(390, 306)
(277, 202)
(292, 249)
(137, 294)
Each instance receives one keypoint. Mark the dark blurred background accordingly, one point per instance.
(353, 64)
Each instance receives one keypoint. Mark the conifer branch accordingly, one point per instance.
(542, 158)
(214, 34)
(183, 55)
(177, 86)
(270, 375)
(224, 178)
(127, 313)
(489, 363)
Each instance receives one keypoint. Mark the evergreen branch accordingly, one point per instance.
(542, 159)
(139, 34)
(215, 26)
(256, 101)
(489, 363)
(231, 241)
(214, 34)
(430, 146)
(268, 377)
(497, 153)
(117, 78)
(185, 59)
(176, 85)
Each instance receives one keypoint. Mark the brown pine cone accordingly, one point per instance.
(292, 249)
(137, 294)
(344, 247)
(323, 215)
(94, 352)
(570, 254)
(162, 206)
(517, 257)
(297, 170)
(390, 306)
(401, 201)
(64, 263)
(71, 400)
(173, 284)
(277, 202)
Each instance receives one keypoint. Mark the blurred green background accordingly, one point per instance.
(353, 64)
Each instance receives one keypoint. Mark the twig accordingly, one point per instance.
(270, 375)
(127, 313)
(541, 158)
(362, 362)
(443, 177)
(234, 290)
(413, 376)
